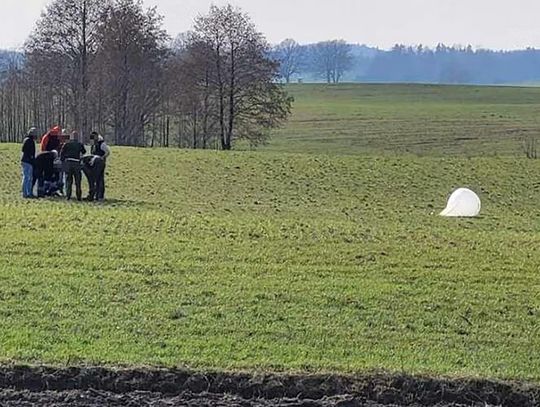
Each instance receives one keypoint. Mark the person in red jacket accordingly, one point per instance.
(51, 140)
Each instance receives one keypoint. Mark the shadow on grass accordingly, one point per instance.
(121, 203)
(109, 203)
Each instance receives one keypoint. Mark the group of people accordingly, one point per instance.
(60, 164)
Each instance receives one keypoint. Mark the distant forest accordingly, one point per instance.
(337, 61)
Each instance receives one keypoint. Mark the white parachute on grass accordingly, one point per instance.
(463, 203)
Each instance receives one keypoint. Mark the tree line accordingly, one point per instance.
(327, 60)
(108, 65)
(337, 61)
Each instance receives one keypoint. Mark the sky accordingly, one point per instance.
(495, 24)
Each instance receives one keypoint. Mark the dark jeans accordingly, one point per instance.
(100, 186)
(73, 171)
(43, 177)
(96, 180)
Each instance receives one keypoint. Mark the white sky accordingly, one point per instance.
(499, 24)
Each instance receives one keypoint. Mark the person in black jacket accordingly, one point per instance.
(94, 169)
(27, 163)
(45, 174)
(100, 149)
(71, 158)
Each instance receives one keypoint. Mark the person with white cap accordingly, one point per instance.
(99, 148)
(102, 150)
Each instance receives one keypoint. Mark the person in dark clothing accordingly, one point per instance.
(71, 158)
(45, 173)
(101, 149)
(27, 163)
(94, 169)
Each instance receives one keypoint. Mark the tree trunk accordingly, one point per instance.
(232, 112)
(194, 128)
(84, 75)
(221, 100)
(168, 131)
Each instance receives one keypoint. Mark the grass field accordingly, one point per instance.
(418, 119)
(270, 260)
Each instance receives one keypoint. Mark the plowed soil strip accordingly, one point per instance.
(44, 386)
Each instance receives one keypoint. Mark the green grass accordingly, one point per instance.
(334, 260)
(277, 261)
(418, 119)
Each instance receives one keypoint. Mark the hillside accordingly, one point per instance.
(277, 261)
(412, 119)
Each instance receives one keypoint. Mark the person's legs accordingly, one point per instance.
(69, 180)
(61, 181)
(91, 182)
(41, 187)
(23, 178)
(28, 180)
(35, 177)
(41, 182)
(49, 175)
(92, 193)
(100, 185)
(78, 180)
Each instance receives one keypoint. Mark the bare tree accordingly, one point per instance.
(130, 59)
(249, 102)
(65, 42)
(332, 59)
(14, 112)
(26, 100)
(104, 64)
(289, 54)
(190, 75)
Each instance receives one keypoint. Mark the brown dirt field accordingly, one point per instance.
(45, 386)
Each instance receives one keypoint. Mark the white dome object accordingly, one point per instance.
(463, 203)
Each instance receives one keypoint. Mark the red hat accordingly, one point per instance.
(55, 131)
